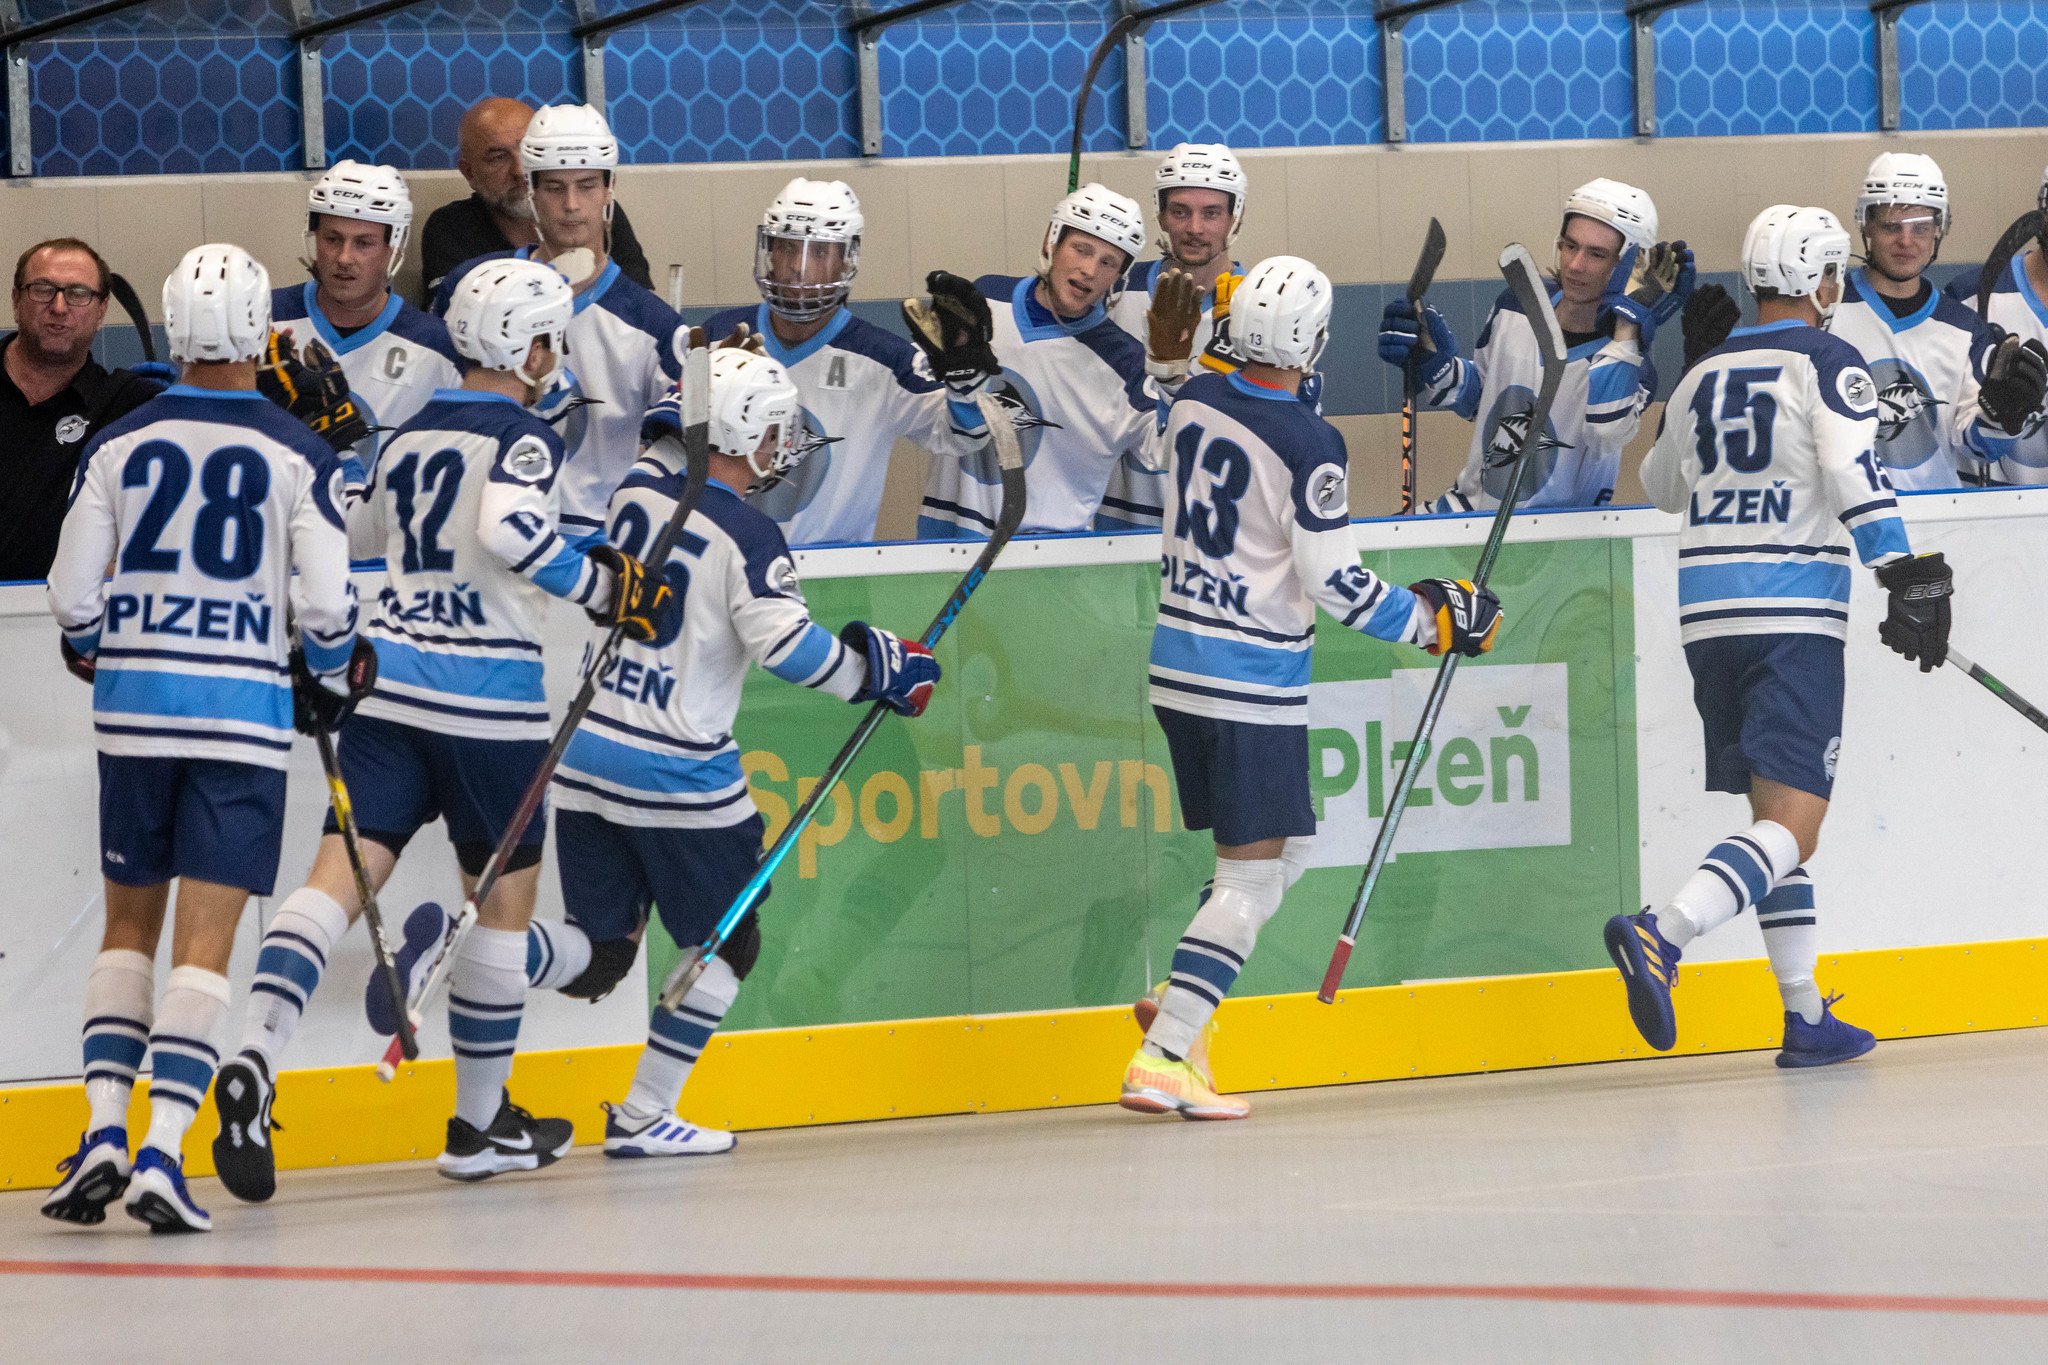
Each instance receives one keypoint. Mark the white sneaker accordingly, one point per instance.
(662, 1135)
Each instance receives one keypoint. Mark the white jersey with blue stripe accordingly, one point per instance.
(657, 747)
(621, 359)
(1137, 495)
(1607, 383)
(393, 365)
(462, 509)
(1768, 449)
(1260, 537)
(1080, 399)
(1930, 429)
(2019, 308)
(205, 502)
(863, 389)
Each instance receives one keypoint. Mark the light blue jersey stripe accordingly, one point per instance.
(461, 675)
(189, 697)
(808, 655)
(1698, 583)
(597, 756)
(1885, 536)
(1236, 660)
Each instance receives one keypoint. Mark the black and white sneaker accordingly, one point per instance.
(242, 1155)
(515, 1141)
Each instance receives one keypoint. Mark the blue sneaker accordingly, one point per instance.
(1649, 968)
(1831, 1040)
(424, 928)
(157, 1195)
(94, 1177)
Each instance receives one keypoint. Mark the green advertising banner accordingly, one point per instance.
(1019, 846)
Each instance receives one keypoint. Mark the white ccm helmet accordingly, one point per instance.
(1905, 178)
(1201, 166)
(1794, 250)
(367, 194)
(751, 396)
(1280, 313)
(217, 305)
(1624, 208)
(501, 306)
(1101, 213)
(812, 227)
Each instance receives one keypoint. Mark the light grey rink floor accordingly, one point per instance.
(1895, 1208)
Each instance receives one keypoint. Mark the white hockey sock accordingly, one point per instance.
(1294, 858)
(1738, 872)
(675, 1039)
(118, 995)
(1792, 939)
(288, 969)
(183, 1052)
(557, 952)
(1214, 949)
(486, 993)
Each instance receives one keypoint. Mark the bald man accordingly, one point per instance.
(497, 216)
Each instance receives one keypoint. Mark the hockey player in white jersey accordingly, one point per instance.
(2018, 308)
(220, 517)
(863, 388)
(1615, 284)
(1937, 427)
(462, 507)
(621, 343)
(1198, 199)
(1767, 450)
(1073, 381)
(394, 355)
(1260, 537)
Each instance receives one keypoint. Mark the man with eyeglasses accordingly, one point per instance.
(53, 397)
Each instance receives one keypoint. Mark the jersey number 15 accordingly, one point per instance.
(1740, 432)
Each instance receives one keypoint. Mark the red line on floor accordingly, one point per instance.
(1622, 1295)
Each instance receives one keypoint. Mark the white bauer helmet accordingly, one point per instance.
(1202, 166)
(1280, 313)
(367, 194)
(568, 137)
(1101, 213)
(499, 308)
(1795, 250)
(217, 305)
(1624, 208)
(1905, 178)
(823, 217)
(751, 396)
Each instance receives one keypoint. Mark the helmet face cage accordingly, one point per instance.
(802, 277)
(217, 305)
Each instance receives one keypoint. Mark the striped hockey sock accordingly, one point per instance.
(675, 1039)
(1792, 940)
(486, 994)
(288, 969)
(556, 953)
(1214, 949)
(1738, 873)
(183, 1053)
(118, 996)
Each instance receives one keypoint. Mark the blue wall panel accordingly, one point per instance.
(1734, 67)
(1273, 75)
(1974, 64)
(1509, 71)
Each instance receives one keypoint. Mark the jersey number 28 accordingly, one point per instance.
(227, 534)
(1741, 431)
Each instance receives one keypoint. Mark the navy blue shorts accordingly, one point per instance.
(1246, 782)
(1771, 707)
(612, 873)
(190, 817)
(401, 777)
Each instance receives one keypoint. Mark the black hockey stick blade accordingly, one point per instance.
(1117, 32)
(1999, 689)
(1433, 244)
(124, 294)
(2024, 229)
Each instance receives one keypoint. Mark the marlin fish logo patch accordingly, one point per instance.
(1508, 437)
(1899, 405)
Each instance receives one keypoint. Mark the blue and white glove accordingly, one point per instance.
(1625, 307)
(1688, 279)
(162, 373)
(1402, 344)
(901, 673)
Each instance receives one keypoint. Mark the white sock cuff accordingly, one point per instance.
(498, 950)
(1294, 857)
(719, 985)
(1257, 877)
(311, 908)
(129, 961)
(201, 981)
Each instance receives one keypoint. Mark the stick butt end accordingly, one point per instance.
(1340, 958)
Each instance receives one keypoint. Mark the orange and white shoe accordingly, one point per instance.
(1154, 1085)
(1147, 1009)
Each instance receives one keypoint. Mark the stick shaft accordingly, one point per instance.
(1998, 689)
(352, 841)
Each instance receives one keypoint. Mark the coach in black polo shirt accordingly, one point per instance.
(53, 397)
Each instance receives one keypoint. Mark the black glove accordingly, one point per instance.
(1467, 618)
(2014, 379)
(313, 389)
(79, 666)
(1709, 316)
(1916, 623)
(955, 331)
(641, 602)
(317, 706)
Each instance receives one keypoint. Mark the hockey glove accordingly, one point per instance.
(1402, 341)
(1467, 618)
(1219, 355)
(158, 371)
(1634, 287)
(324, 703)
(2014, 379)
(1916, 622)
(743, 338)
(956, 333)
(80, 666)
(313, 389)
(901, 673)
(642, 603)
(1170, 323)
(1710, 315)
(1684, 278)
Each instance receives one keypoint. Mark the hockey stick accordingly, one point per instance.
(696, 387)
(1418, 285)
(1010, 460)
(124, 294)
(352, 840)
(2024, 229)
(1117, 33)
(1999, 689)
(1520, 269)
